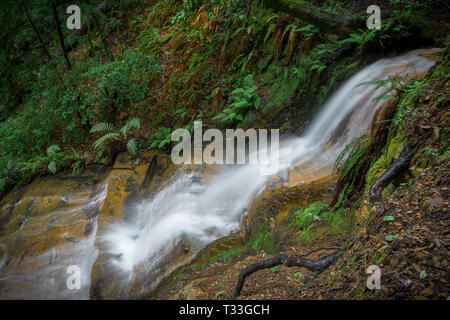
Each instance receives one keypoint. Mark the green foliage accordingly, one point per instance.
(56, 157)
(241, 101)
(390, 238)
(262, 240)
(339, 221)
(132, 124)
(132, 146)
(147, 40)
(400, 29)
(315, 221)
(227, 255)
(123, 82)
(305, 218)
(103, 126)
(308, 31)
(275, 269)
(298, 276)
(162, 138)
(101, 143)
(351, 154)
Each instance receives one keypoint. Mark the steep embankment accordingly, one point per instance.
(230, 64)
(405, 233)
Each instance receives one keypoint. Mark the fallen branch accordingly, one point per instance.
(397, 167)
(292, 261)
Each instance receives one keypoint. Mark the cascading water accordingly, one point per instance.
(45, 275)
(202, 213)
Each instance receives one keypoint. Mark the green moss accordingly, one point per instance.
(391, 152)
(283, 92)
(317, 223)
(228, 255)
(262, 240)
(305, 218)
(341, 221)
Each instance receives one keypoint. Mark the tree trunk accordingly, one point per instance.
(44, 48)
(60, 35)
(328, 22)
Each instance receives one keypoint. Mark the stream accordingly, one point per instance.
(126, 242)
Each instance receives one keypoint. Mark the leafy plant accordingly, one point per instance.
(101, 143)
(147, 39)
(242, 100)
(275, 269)
(390, 238)
(308, 31)
(123, 82)
(355, 150)
(306, 217)
(298, 276)
(56, 157)
(162, 138)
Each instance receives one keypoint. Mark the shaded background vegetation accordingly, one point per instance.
(140, 69)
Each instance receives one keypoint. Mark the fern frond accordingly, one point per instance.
(102, 126)
(100, 143)
(52, 167)
(133, 123)
(53, 150)
(132, 147)
(348, 150)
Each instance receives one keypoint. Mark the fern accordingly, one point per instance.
(53, 150)
(52, 167)
(132, 147)
(147, 40)
(242, 100)
(308, 31)
(100, 143)
(102, 126)
(349, 149)
(133, 123)
(162, 138)
(56, 158)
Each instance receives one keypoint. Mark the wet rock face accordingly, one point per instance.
(282, 193)
(59, 221)
(56, 222)
(43, 231)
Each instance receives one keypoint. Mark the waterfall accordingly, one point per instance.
(202, 213)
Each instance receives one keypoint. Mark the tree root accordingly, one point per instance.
(292, 261)
(392, 172)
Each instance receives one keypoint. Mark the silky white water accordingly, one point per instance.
(185, 209)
